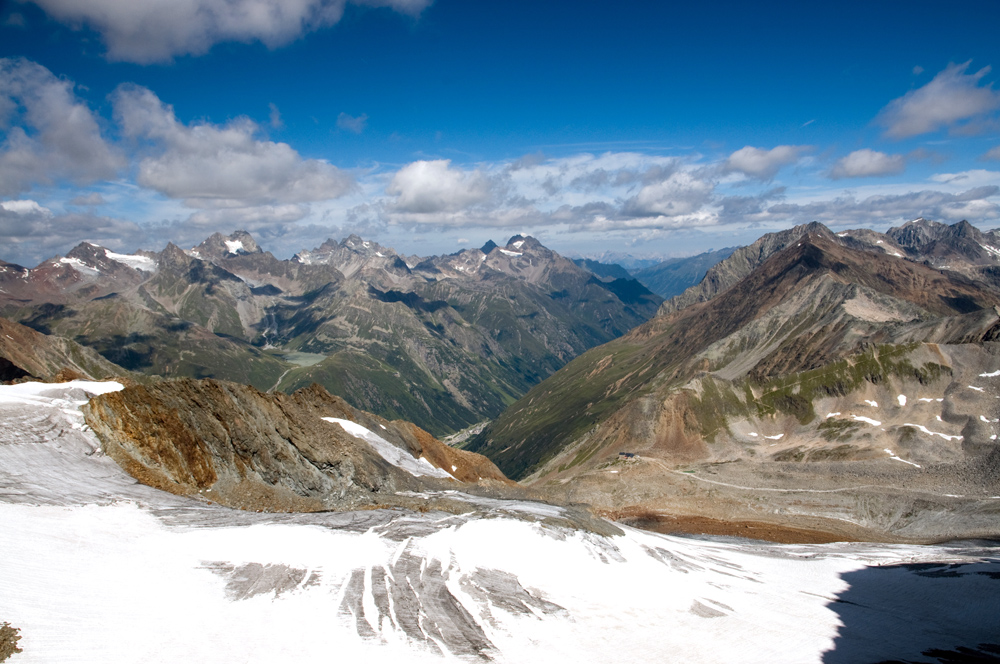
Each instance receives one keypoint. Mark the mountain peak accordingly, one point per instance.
(221, 246)
(521, 242)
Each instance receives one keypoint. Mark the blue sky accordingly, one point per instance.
(430, 125)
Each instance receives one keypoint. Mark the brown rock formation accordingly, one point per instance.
(240, 447)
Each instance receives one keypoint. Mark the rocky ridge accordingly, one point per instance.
(760, 392)
(307, 451)
(27, 354)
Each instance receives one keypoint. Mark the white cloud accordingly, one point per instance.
(993, 153)
(146, 31)
(978, 177)
(679, 195)
(247, 218)
(763, 164)
(949, 99)
(868, 163)
(352, 124)
(25, 207)
(218, 166)
(427, 187)
(32, 233)
(49, 133)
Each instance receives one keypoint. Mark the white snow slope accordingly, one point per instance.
(390, 452)
(96, 568)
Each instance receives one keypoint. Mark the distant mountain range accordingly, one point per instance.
(444, 342)
(674, 276)
(851, 378)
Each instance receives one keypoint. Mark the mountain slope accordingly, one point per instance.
(816, 327)
(672, 277)
(25, 353)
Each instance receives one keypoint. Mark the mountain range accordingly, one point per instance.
(842, 384)
(445, 341)
(846, 382)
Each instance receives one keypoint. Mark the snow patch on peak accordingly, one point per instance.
(143, 263)
(510, 253)
(234, 246)
(80, 266)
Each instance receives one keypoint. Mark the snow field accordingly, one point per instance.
(98, 580)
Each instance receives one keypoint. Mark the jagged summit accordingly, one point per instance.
(221, 246)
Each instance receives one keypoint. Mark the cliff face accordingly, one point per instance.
(237, 446)
(25, 353)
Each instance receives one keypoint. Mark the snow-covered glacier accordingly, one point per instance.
(95, 567)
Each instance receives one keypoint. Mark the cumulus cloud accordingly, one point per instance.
(218, 166)
(158, 30)
(679, 194)
(352, 124)
(48, 133)
(993, 153)
(763, 164)
(868, 163)
(427, 187)
(951, 98)
(613, 191)
(31, 233)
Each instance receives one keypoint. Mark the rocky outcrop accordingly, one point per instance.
(237, 446)
(25, 353)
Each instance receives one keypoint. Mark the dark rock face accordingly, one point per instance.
(237, 446)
